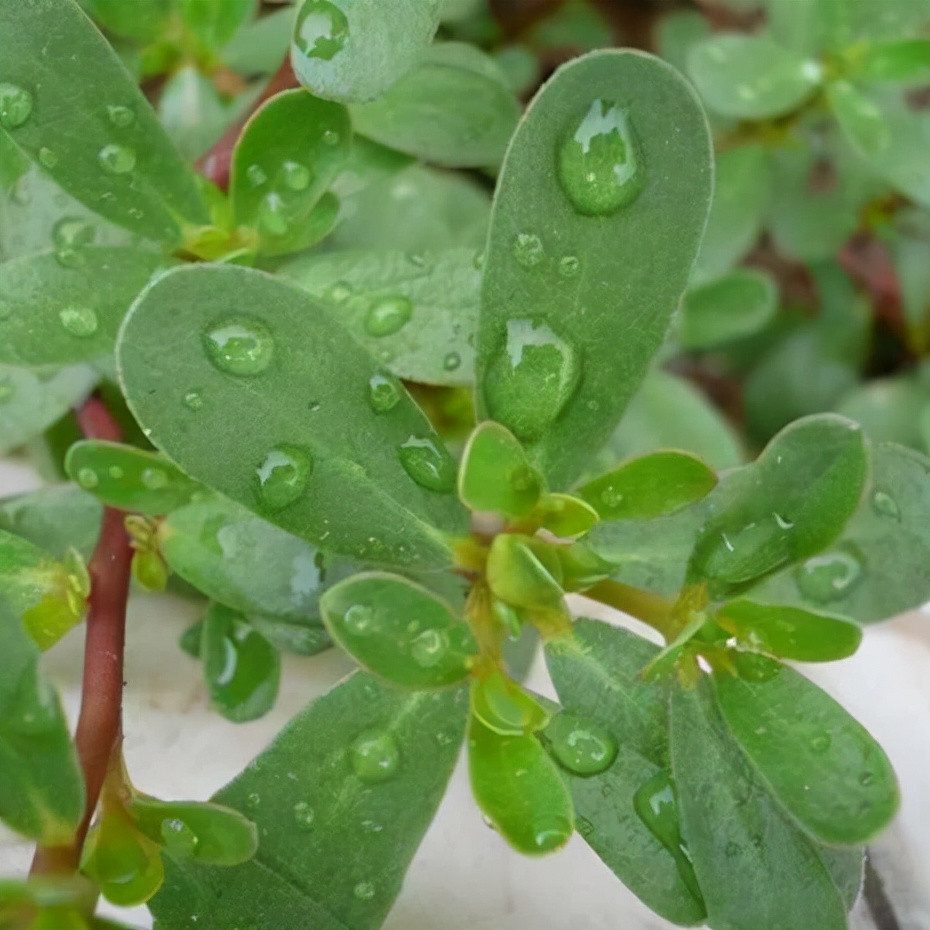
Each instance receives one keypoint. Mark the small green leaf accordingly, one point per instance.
(561, 317)
(141, 22)
(258, 46)
(215, 21)
(130, 479)
(453, 108)
(649, 486)
(433, 343)
(354, 50)
(398, 630)
(495, 473)
(751, 77)
(289, 153)
(240, 667)
(41, 788)
(207, 833)
(899, 60)
(821, 764)
(860, 118)
(327, 810)
(56, 518)
(208, 348)
(89, 125)
(521, 573)
(519, 789)
(676, 32)
(501, 705)
(565, 515)
(789, 632)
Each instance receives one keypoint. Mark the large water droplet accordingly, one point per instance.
(388, 315)
(600, 165)
(531, 379)
(886, 505)
(829, 576)
(359, 620)
(120, 116)
(429, 464)
(528, 250)
(321, 29)
(79, 321)
(383, 393)
(153, 478)
(239, 346)
(429, 648)
(283, 475)
(304, 815)
(15, 105)
(375, 756)
(364, 891)
(117, 159)
(178, 837)
(581, 746)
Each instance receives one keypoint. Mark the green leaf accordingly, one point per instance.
(819, 763)
(130, 479)
(649, 486)
(751, 77)
(755, 868)
(501, 705)
(241, 668)
(66, 306)
(565, 515)
(369, 765)
(56, 518)
(259, 46)
(454, 108)
(898, 60)
(676, 32)
(32, 401)
(198, 830)
(41, 788)
(495, 473)
(244, 562)
(788, 505)
(354, 51)
(789, 632)
(432, 344)
(398, 630)
(141, 21)
(888, 409)
(567, 331)
(289, 153)
(730, 307)
(89, 125)
(519, 789)
(236, 340)
(214, 22)
(520, 574)
(907, 244)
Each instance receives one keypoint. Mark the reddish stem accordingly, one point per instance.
(99, 728)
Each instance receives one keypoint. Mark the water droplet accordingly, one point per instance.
(338, 293)
(611, 497)
(304, 815)
(253, 801)
(429, 648)
(255, 175)
(47, 157)
(153, 478)
(451, 361)
(375, 757)
(359, 620)
(364, 891)
(117, 159)
(531, 379)
(70, 235)
(115, 472)
(331, 137)
(383, 393)
(551, 833)
(239, 346)
(121, 116)
(866, 779)
(192, 400)
(829, 576)
(87, 478)
(886, 505)
(15, 105)
(600, 166)
(321, 30)
(283, 475)
(568, 266)
(272, 214)
(79, 321)
(821, 743)
(371, 826)
(581, 746)
(295, 175)
(388, 315)
(429, 464)
(528, 250)
(178, 837)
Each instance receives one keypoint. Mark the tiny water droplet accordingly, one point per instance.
(121, 116)
(364, 891)
(295, 175)
(87, 478)
(866, 779)
(429, 648)
(359, 620)
(383, 393)
(331, 137)
(304, 815)
(15, 105)
(478, 261)
(372, 826)
(611, 497)
(528, 250)
(117, 159)
(829, 576)
(451, 361)
(821, 743)
(255, 175)
(321, 30)
(115, 472)
(283, 475)
(79, 321)
(239, 346)
(338, 293)
(429, 464)
(600, 164)
(153, 478)
(388, 315)
(551, 832)
(272, 214)
(253, 801)
(178, 837)
(47, 157)
(569, 265)
(886, 505)
(375, 756)
(193, 400)
(69, 236)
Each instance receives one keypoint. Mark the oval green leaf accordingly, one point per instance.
(520, 573)
(501, 705)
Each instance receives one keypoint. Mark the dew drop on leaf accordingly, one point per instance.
(239, 346)
(551, 833)
(866, 779)
(78, 321)
(387, 316)
(568, 266)
(528, 250)
(331, 137)
(375, 756)
(829, 576)
(87, 478)
(364, 891)
(383, 394)
(429, 648)
(295, 175)
(120, 116)
(579, 745)
(178, 837)
(338, 293)
(117, 159)
(253, 801)
(272, 214)
(600, 164)
(452, 361)
(886, 505)
(47, 157)
(153, 478)
(304, 815)
(193, 400)
(115, 472)
(283, 475)
(821, 743)
(255, 175)
(15, 105)
(359, 620)
(321, 30)
(429, 465)
(70, 235)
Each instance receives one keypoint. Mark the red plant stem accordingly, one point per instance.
(99, 727)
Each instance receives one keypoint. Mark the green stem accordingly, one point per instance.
(652, 609)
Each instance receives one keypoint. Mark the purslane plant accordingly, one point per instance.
(280, 424)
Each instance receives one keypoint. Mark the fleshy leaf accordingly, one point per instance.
(502, 706)
(240, 357)
(519, 572)
(565, 515)
(215, 21)
(566, 331)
